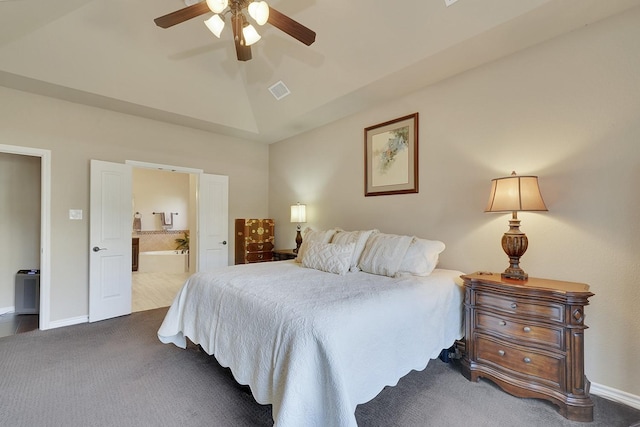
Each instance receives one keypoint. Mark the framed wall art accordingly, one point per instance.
(391, 157)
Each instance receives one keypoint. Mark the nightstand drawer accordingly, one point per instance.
(260, 247)
(259, 256)
(547, 368)
(520, 307)
(529, 332)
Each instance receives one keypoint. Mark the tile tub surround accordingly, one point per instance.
(164, 240)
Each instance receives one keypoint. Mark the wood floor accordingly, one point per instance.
(149, 291)
(11, 323)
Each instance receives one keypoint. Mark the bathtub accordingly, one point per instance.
(163, 262)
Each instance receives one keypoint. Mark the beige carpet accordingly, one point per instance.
(117, 373)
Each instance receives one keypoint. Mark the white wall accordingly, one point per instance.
(19, 221)
(75, 134)
(161, 191)
(568, 111)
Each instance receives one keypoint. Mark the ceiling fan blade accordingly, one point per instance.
(291, 27)
(242, 52)
(182, 15)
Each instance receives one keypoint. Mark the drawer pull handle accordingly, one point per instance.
(501, 352)
(502, 323)
(514, 305)
(526, 329)
(527, 360)
(260, 246)
(260, 256)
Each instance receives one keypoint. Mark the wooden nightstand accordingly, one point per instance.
(284, 254)
(528, 337)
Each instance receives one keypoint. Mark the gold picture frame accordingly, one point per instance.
(391, 157)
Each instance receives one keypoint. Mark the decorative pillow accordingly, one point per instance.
(309, 235)
(329, 257)
(359, 238)
(421, 257)
(383, 253)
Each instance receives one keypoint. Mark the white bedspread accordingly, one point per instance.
(315, 344)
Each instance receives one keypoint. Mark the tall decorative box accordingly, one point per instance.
(254, 240)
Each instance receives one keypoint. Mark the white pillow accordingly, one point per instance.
(359, 238)
(329, 257)
(421, 257)
(309, 235)
(383, 253)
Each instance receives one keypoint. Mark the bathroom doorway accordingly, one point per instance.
(163, 203)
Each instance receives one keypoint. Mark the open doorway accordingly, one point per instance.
(162, 228)
(20, 255)
(26, 188)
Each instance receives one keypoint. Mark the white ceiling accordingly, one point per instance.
(110, 54)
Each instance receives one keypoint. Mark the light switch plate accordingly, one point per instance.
(75, 213)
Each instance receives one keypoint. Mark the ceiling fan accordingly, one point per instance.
(244, 34)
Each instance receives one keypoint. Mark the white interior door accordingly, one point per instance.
(213, 221)
(110, 240)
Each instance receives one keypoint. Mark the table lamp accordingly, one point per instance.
(298, 215)
(515, 194)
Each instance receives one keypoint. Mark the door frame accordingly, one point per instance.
(44, 315)
(193, 172)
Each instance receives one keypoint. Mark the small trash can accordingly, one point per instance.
(27, 292)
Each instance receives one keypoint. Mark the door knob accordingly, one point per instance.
(97, 249)
(224, 242)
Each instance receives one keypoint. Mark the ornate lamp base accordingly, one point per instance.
(514, 244)
(298, 239)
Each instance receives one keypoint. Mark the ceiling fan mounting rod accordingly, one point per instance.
(237, 5)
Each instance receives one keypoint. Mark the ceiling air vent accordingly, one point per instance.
(279, 90)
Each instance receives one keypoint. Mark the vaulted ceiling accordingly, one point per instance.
(110, 54)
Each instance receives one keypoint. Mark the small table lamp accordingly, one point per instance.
(298, 215)
(513, 194)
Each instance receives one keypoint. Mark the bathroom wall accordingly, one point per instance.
(160, 191)
(20, 224)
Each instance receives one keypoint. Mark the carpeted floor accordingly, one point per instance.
(117, 373)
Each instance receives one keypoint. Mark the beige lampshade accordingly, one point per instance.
(515, 193)
(298, 213)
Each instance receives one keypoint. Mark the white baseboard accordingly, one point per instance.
(615, 395)
(5, 310)
(68, 322)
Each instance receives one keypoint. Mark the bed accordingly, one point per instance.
(312, 343)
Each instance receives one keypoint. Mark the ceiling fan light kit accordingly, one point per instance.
(244, 34)
(215, 24)
(250, 35)
(217, 6)
(259, 10)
